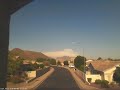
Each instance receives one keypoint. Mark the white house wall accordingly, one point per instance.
(110, 70)
(31, 73)
(93, 77)
(108, 74)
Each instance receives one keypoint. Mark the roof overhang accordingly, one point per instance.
(15, 5)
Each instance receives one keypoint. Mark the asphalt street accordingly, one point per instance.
(60, 79)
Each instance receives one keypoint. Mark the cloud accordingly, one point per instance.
(76, 43)
(65, 52)
(73, 42)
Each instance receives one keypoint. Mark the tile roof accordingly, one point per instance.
(103, 65)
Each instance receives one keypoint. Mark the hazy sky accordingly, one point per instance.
(67, 26)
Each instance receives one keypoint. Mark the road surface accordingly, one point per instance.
(60, 79)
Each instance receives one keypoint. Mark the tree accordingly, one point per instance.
(80, 62)
(66, 62)
(41, 66)
(116, 75)
(35, 65)
(52, 61)
(99, 58)
(29, 67)
(14, 66)
(11, 67)
(40, 60)
(71, 61)
(58, 63)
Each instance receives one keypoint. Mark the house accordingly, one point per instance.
(31, 62)
(26, 62)
(102, 69)
(89, 60)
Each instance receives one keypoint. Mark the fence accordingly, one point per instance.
(35, 74)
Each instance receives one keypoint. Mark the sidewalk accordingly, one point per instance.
(33, 84)
(80, 83)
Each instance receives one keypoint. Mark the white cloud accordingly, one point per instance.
(65, 52)
(76, 43)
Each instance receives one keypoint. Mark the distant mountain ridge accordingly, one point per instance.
(26, 54)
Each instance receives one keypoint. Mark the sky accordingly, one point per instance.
(68, 27)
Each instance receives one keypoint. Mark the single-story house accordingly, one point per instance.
(101, 69)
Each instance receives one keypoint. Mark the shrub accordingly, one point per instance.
(112, 84)
(104, 84)
(35, 65)
(24, 76)
(116, 75)
(89, 80)
(66, 63)
(16, 79)
(8, 78)
(97, 81)
(41, 66)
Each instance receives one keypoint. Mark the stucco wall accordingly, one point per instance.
(93, 77)
(108, 74)
(31, 73)
(110, 70)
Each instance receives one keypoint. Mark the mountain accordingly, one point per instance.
(25, 54)
(68, 58)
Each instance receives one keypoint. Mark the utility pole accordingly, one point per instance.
(84, 71)
(84, 65)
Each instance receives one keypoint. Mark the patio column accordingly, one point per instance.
(4, 40)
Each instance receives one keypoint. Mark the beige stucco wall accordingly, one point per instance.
(110, 70)
(88, 73)
(108, 77)
(108, 74)
(31, 73)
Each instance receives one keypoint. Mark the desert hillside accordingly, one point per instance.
(26, 54)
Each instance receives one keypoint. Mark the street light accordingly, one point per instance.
(78, 43)
(84, 65)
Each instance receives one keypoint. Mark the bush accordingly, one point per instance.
(41, 66)
(24, 76)
(116, 75)
(16, 79)
(8, 78)
(112, 84)
(35, 65)
(97, 81)
(104, 84)
(59, 63)
(66, 63)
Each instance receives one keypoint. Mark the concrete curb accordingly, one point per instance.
(40, 80)
(30, 80)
